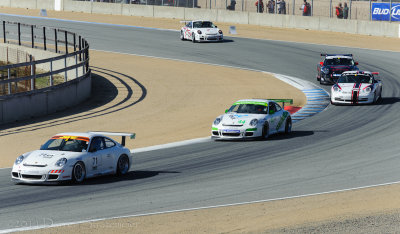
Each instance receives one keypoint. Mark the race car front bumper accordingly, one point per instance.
(39, 175)
(218, 37)
(228, 133)
(351, 99)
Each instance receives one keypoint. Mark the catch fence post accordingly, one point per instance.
(55, 40)
(32, 73)
(4, 31)
(19, 33)
(66, 42)
(51, 73)
(8, 78)
(32, 37)
(44, 38)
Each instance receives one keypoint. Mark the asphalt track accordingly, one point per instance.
(342, 147)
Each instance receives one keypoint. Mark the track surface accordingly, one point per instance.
(342, 147)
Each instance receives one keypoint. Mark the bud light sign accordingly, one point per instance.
(381, 11)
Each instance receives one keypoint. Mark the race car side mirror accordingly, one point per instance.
(356, 63)
(226, 111)
(271, 112)
(321, 63)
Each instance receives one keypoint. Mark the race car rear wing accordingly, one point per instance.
(283, 101)
(123, 134)
(350, 55)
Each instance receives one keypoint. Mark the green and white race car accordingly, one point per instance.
(250, 118)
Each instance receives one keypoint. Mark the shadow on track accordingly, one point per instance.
(389, 100)
(106, 179)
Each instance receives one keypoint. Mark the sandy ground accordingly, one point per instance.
(323, 213)
(160, 105)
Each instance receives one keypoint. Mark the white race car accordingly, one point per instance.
(201, 30)
(251, 118)
(356, 87)
(74, 156)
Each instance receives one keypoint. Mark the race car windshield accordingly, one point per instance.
(72, 145)
(249, 109)
(203, 24)
(355, 79)
(339, 61)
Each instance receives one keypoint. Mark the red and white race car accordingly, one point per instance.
(201, 30)
(356, 87)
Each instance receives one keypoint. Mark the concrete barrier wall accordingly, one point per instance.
(77, 6)
(44, 101)
(48, 100)
(169, 12)
(5, 3)
(23, 4)
(206, 14)
(45, 4)
(137, 10)
(234, 17)
(107, 8)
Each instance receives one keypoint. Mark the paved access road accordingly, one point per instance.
(342, 147)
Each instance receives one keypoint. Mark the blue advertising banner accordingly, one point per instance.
(381, 12)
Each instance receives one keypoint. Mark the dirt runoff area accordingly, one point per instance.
(162, 98)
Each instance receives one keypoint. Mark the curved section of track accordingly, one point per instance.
(340, 148)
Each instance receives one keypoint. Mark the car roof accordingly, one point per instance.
(201, 20)
(338, 56)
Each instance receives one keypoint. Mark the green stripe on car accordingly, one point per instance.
(284, 115)
(251, 129)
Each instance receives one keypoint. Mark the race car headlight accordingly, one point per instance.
(220, 31)
(253, 122)
(198, 31)
(19, 160)
(217, 121)
(367, 89)
(61, 162)
(336, 89)
(325, 70)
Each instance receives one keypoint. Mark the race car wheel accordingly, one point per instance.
(265, 131)
(182, 37)
(123, 165)
(79, 172)
(288, 126)
(193, 38)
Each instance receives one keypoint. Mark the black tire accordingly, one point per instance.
(122, 165)
(182, 37)
(288, 125)
(78, 173)
(265, 131)
(193, 38)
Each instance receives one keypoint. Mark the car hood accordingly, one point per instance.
(209, 30)
(340, 67)
(47, 157)
(353, 86)
(239, 119)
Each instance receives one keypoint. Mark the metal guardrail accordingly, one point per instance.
(68, 44)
